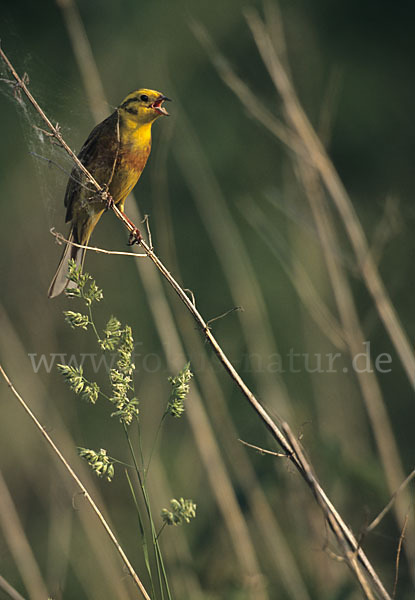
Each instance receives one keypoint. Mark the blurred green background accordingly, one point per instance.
(230, 220)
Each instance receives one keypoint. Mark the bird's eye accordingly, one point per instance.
(144, 98)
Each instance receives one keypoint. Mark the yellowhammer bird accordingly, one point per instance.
(115, 154)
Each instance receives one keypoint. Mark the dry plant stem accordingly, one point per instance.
(81, 486)
(225, 240)
(54, 129)
(60, 238)
(398, 556)
(263, 450)
(231, 250)
(242, 283)
(317, 156)
(371, 393)
(9, 590)
(354, 564)
(99, 546)
(298, 275)
(335, 521)
(350, 555)
(389, 505)
(368, 382)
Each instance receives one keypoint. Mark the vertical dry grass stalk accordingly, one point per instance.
(315, 153)
(398, 556)
(299, 136)
(353, 554)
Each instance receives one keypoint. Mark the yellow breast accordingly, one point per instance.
(134, 150)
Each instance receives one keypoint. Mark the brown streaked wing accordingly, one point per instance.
(92, 153)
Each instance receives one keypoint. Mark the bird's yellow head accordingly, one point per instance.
(143, 106)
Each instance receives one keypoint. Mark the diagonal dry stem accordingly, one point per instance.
(81, 486)
(369, 385)
(361, 565)
(9, 590)
(62, 239)
(312, 178)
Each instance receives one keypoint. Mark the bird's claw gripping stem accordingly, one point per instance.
(135, 237)
(135, 234)
(109, 202)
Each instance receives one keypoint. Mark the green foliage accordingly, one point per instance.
(181, 510)
(76, 319)
(74, 376)
(93, 293)
(125, 351)
(112, 333)
(90, 392)
(180, 389)
(121, 379)
(80, 280)
(100, 462)
(119, 339)
(127, 408)
(115, 337)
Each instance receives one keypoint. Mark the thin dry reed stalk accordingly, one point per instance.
(9, 590)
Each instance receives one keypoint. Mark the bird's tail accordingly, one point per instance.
(60, 281)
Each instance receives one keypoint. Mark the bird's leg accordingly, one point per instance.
(135, 237)
(135, 234)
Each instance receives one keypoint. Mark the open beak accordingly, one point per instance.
(157, 105)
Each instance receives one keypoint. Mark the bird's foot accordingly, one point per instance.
(109, 202)
(135, 237)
